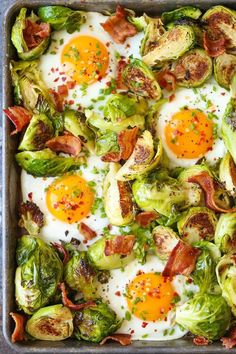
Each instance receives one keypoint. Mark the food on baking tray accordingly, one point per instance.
(127, 150)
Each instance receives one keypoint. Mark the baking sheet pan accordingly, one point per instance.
(11, 191)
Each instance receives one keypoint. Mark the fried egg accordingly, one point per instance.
(190, 124)
(86, 60)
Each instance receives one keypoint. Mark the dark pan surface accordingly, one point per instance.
(11, 192)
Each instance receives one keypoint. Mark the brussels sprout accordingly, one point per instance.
(144, 158)
(102, 262)
(31, 218)
(228, 127)
(186, 11)
(51, 323)
(80, 275)
(61, 17)
(106, 142)
(75, 123)
(153, 31)
(226, 276)
(140, 80)
(95, 323)
(45, 163)
(225, 235)
(30, 90)
(224, 69)
(165, 240)
(197, 224)
(173, 44)
(227, 173)
(195, 24)
(117, 198)
(192, 171)
(39, 130)
(206, 315)
(38, 274)
(193, 68)
(18, 40)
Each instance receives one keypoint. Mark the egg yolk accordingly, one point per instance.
(69, 198)
(87, 59)
(189, 134)
(150, 296)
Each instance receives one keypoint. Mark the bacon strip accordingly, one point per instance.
(122, 245)
(230, 341)
(214, 43)
(166, 80)
(120, 69)
(146, 217)
(68, 303)
(68, 144)
(122, 338)
(34, 33)
(126, 203)
(61, 249)
(18, 334)
(19, 116)
(85, 230)
(182, 260)
(199, 340)
(57, 99)
(118, 27)
(206, 182)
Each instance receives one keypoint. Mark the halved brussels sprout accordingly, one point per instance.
(226, 276)
(117, 198)
(19, 41)
(192, 171)
(224, 69)
(95, 323)
(45, 163)
(144, 158)
(165, 240)
(75, 123)
(225, 235)
(227, 173)
(171, 45)
(195, 24)
(51, 323)
(228, 127)
(197, 224)
(185, 11)
(140, 80)
(96, 254)
(38, 132)
(193, 68)
(154, 30)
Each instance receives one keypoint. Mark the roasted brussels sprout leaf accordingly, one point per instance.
(152, 118)
(140, 80)
(186, 11)
(96, 254)
(195, 24)
(173, 44)
(106, 142)
(38, 274)
(153, 31)
(39, 130)
(225, 234)
(95, 323)
(31, 218)
(51, 323)
(139, 22)
(45, 163)
(226, 275)
(194, 170)
(197, 224)
(224, 69)
(61, 17)
(117, 198)
(206, 315)
(165, 240)
(80, 275)
(30, 36)
(227, 173)
(228, 127)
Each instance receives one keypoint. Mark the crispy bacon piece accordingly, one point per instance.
(111, 157)
(57, 99)
(61, 249)
(167, 80)
(199, 340)
(85, 230)
(35, 214)
(146, 217)
(18, 334)
(118, 27)
(68, 303)
(122, 245)
(19, 116)
(230, 341)
(120, 68)
(68, 144)
(126, 203)
(182, 260)
(214, 42)
(62, 90)
(206, 182)
(34, 33)
(122, 338)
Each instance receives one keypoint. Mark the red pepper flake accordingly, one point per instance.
(144, 324)
(56, 79)
(71, 84)
(63, 78)
(52, 70)
(222, 93)
(62, 72)
(132, 331)
(171, 97)
(118, 293)
(30, 195)
(70, 102)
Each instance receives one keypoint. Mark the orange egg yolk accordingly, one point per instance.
(87, 59)
(150, 296)
(69, 198)
(189, 134)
